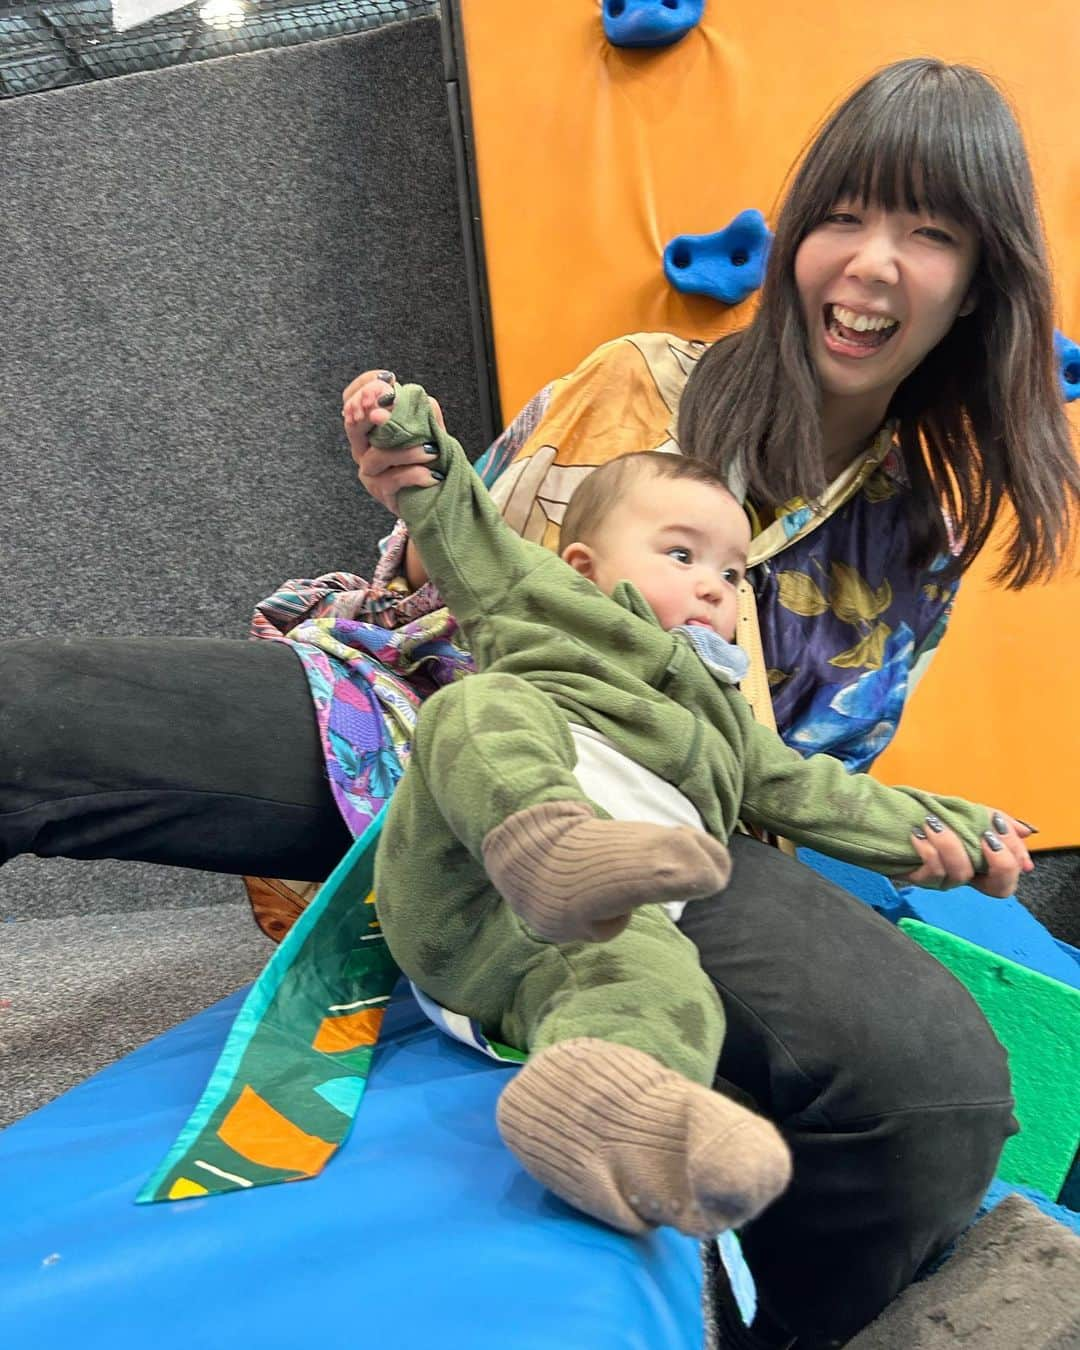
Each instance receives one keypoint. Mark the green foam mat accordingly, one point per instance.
(1037, 1019)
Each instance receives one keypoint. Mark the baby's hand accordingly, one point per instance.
(945, 861)
(368, 403)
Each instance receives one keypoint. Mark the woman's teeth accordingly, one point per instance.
(862, 323)
(859, 330)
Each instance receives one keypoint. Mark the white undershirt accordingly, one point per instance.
(629, 791)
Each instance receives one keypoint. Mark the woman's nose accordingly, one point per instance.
(874, 260)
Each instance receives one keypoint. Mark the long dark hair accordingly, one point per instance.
(981, 418)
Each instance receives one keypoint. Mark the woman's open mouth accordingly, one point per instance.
(849, 333)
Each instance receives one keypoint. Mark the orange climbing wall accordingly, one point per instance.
(590, 159)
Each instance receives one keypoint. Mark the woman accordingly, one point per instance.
(907, 303)
(913, 220)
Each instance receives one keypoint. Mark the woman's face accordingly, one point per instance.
(879, 290)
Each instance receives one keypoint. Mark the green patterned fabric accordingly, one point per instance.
(287, 1085)
(485, 748)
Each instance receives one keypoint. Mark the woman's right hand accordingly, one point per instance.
(944, 860)
(367, 403)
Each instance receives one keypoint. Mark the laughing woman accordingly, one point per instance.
(894, 389)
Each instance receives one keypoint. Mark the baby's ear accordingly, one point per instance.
(580, 557)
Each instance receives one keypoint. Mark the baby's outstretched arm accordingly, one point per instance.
(365, 405)
(902, 832)
(471, 554)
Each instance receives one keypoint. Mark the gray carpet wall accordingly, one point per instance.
(195, 262)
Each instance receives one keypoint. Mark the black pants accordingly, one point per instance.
(884, 1077)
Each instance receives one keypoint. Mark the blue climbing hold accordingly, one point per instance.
(727, 265)
(1068, 361)
(649, 23)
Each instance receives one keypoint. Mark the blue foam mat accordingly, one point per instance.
(1001, 926)
(423, 1231)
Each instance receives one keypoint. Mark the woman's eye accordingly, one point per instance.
(680, 554)
(841, 218)
(937, 235)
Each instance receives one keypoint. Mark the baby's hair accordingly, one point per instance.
(593, 501)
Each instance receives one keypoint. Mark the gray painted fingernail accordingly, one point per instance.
(387, 400)
(999, 823)
(918, 832)
(935, 824)
(991, 838)
(430, 448)
(387, 376)
(1032, 829)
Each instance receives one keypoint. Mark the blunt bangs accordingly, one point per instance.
(914, 167)
(941, 146)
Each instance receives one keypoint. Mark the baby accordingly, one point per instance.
(586, 777)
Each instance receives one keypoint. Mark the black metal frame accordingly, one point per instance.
(461, 128)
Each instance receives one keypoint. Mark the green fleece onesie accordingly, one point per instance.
(552, 650)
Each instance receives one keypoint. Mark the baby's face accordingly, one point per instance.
(682, 544)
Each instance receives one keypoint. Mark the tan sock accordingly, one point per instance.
(572, 876)
(618, 1135)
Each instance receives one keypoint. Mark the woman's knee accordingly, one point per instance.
(920, 1044)
(931, 1085)
(930, 1040)
(831, 1009)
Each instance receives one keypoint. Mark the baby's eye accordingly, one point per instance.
(732, 576)
(680, 554)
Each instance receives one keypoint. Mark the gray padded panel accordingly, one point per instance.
(196, 260)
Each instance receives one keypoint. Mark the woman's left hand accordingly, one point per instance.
(945, 861)
(367, 403)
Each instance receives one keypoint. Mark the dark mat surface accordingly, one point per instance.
(79, 992)
(1012, 1284)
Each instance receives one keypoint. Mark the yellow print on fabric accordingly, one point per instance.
(847, 595)
(621, 400)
